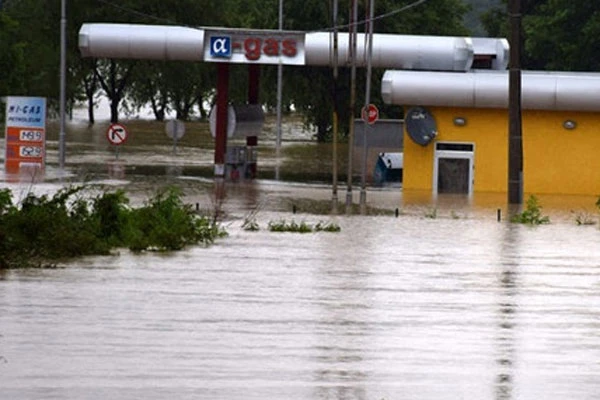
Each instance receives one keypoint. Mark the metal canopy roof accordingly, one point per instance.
(159, 42)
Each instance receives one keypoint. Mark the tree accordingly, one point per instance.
(35, 47)
(563, 35)
(12, 62)
(557, 34)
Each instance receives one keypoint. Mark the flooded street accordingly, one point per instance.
(441, 302)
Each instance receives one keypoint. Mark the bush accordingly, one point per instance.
(302, 227)
(165, 223)
(532, 214)
(45, 230)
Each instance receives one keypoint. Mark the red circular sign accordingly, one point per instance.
(116, 134)
(370, 114)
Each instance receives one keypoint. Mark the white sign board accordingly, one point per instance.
(116, 134)
(260, 47)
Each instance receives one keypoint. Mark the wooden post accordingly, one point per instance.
(515, 141)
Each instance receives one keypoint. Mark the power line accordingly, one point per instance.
(345, 26)
(382, 16)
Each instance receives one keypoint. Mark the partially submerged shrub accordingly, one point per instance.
(166, 223)
(302, 227)
(532, 214)
(583, 218)
(327, 227)
(43, 230)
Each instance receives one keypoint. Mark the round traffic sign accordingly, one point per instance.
(175, 129)
(370, 114)
(116, 134)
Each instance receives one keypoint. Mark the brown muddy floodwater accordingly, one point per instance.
(460, 306)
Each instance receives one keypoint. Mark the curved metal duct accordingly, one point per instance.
(439, 53)
(161, 42)
(153, 42)
(489, 89)
(496, 48)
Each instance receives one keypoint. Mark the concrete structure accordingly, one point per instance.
(561, 131)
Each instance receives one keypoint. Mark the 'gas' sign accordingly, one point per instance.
(254, 47)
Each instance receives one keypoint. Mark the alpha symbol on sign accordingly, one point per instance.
(116, 134)
(220, 46)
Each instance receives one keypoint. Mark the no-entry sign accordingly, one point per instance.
(370, 114)
(116, 134)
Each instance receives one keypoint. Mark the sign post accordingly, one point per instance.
(25, 134)
(116, 135)
(175, 129)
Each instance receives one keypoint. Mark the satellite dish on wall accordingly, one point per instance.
(420, 125)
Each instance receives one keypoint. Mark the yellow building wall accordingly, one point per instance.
(556, 160)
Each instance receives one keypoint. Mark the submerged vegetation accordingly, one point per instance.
(302, 227)
(532, 215)
(41, 231)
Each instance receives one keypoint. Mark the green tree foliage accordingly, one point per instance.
(12, 62)
(557, 34)
(33, 46)
(563, 35)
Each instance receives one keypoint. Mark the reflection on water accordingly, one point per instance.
(507, 310)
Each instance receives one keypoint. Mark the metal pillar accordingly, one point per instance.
(221, 125)
(279, 98)
(253, 98)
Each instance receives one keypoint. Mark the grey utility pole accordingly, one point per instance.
(369, 37)
(334, 190)
(352, 51)
(63, 82)
(279, 96)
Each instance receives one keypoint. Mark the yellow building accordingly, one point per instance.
(464, 119)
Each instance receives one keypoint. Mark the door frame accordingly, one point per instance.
(455, 150)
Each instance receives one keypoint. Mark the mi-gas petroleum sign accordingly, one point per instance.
(261, 47)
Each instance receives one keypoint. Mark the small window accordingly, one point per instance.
(454, 146)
